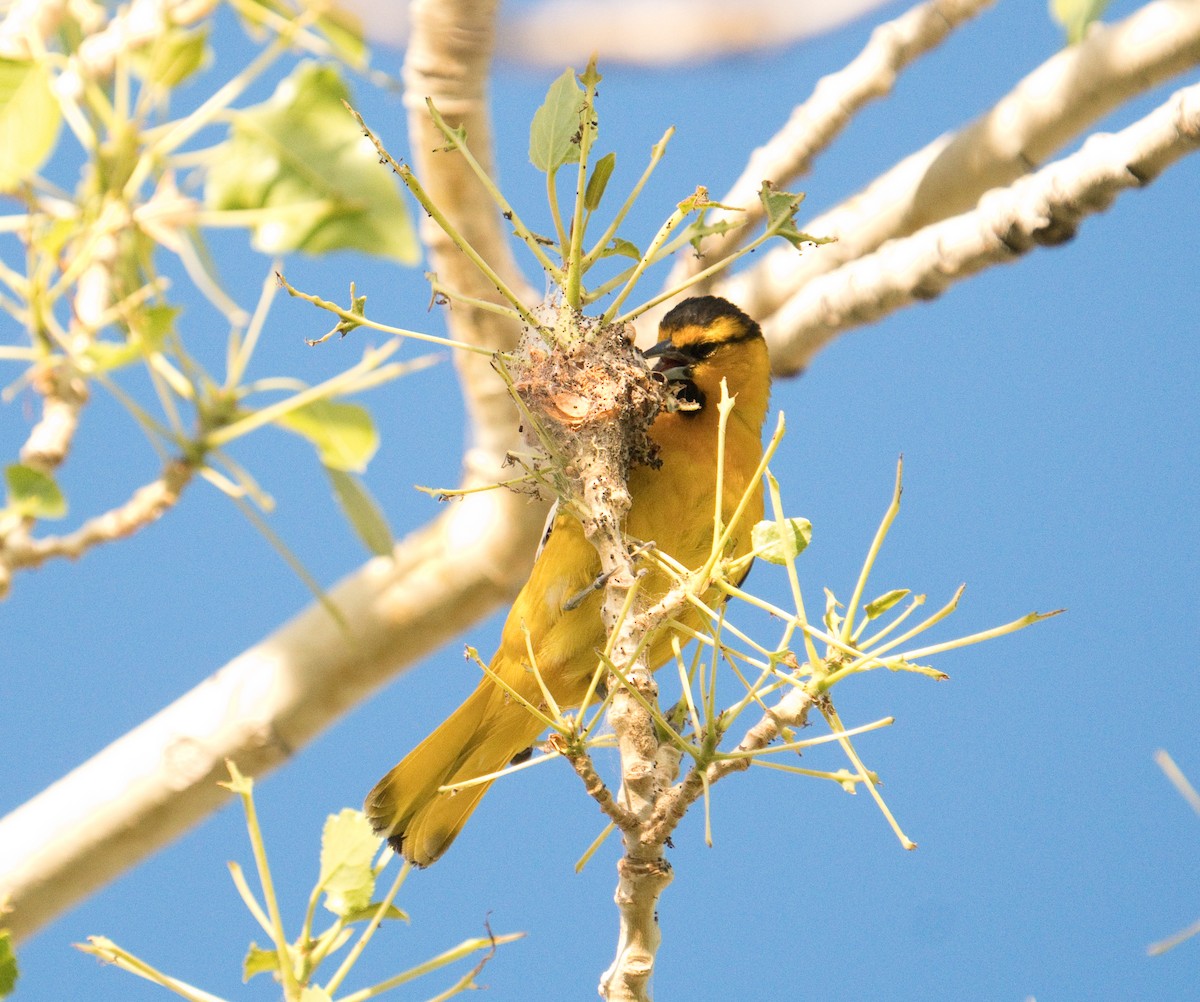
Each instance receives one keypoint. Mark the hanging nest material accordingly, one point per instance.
(591, 399)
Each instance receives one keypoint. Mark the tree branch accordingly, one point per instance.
(1044, 209)
(1045, 111)
(146, 505)
(160, 779)
(816, 122)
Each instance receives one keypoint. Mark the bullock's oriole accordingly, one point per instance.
(701, 341)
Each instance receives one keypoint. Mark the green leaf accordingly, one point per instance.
(778, 205)
(259, 961)
(34, 493)
(1076, 15)
(29, 120)
(301, 156)
(344, 434)
(149, 327)
(344, 31)
(8, 964)
(599, 181)
(554, 132)
(779, 542)
(781, 208)
(348, 847)
(368, 913)
(877, 607)
(622, 247)
(697, 231)
(362, 511)
(173, 57)
(341, 28)
(832, 619)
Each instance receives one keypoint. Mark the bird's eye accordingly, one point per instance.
(703, 350)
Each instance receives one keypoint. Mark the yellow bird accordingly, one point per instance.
(701, 341)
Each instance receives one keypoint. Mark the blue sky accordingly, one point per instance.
(1046, 413)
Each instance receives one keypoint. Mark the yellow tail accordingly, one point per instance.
(482, 736)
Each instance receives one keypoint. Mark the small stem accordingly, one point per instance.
(248, 898)
(427, 203)
(1178, 779)
(464, 949)
(243, 787)
(801, 618)
(111, 953)
(700, 276)
(361, 321)
(242, 349)
(556, 213)
(333, 387)
(456, 140)
(835, 722)
(656, 155)
(339, 976)
(473, 301)
(587, 133)
(664, 231)
(876, 544)
(747, 494)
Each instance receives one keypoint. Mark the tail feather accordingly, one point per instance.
(482, 736)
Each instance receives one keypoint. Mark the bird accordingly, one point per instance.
(701, 341)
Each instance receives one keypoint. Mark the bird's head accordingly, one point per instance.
(704, 340)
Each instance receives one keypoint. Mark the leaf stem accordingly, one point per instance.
(457, 140)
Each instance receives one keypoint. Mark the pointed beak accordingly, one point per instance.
(671, 363)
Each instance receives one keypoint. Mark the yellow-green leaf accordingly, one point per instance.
(148, 328)
(259, 961)
(8, 964)
(34, 493)
(779, 542)
(368, 913)
(1076, 15)
(348, 847)
(877, 607)
(554, 133)
(29, 120)
(781, 208)
(344, 32)
(362, 511)
(174, 56)
(601, 172)
(622, 248)
(302, 157)
(344, 434)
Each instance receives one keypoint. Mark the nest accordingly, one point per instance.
(591, 399)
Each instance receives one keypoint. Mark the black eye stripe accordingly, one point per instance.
(702, 349)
